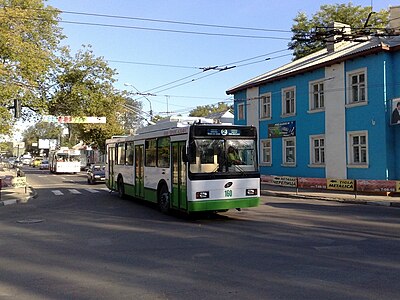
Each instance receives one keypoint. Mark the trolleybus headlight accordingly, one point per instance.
(251, 192)
(202, 195)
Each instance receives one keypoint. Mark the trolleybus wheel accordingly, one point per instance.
(164, 200)
(121, 189)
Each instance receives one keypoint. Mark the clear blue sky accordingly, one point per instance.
(129, 49)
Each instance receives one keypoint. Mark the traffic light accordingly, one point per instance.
(17, 108)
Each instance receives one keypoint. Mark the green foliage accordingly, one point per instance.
(203, 111)
(29, 37)
(41, 130)
(303, 42)
(6, 149)
(84, 87)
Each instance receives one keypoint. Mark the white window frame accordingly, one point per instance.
(292, 111)
(266, 146)
(266, 106)
(350, 97)
(314, 162)
(285, 147)
(320, 94)
(360, 148)
(241, 113)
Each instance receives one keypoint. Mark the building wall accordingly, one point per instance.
(337, 120)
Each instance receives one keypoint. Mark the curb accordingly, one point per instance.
(347, 201)
(24, 199)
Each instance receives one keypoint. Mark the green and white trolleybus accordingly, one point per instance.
(187, 164)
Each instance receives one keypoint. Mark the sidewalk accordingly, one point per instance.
(326, 195)
(10, 195)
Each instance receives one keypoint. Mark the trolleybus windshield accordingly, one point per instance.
(207, 155)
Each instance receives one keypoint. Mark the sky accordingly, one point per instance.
(164, 47)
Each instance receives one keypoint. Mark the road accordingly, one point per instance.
(77, 241)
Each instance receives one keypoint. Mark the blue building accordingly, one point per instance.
(328, 115)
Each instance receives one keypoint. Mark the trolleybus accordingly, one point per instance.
(64, 160)
(184, 164)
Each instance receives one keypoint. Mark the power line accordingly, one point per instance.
(193, 67)
(150, 64)
(173, 31)
(157, 20)
(176, 22)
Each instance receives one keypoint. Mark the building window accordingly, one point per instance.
(289, 101)
(357, 87)
(317, 95)
(289, 151)
(265, 106)
(358, 148)
(240, 108)
(266, 152)
(317, 150)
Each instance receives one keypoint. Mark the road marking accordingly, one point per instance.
(73, 191)
(92, 191)
(57, 192)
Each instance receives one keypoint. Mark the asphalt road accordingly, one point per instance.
(77, 241)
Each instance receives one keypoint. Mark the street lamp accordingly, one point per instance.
(141, 94)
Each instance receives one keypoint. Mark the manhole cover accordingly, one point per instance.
(30, 221)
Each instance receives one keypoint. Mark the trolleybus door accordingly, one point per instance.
(178, 170)
(139, 171)
(111, 162)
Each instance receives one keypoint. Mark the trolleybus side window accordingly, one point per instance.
(163, 146)
(150, 152)
(129, 154)
(121, 153)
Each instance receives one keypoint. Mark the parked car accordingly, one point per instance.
(44, 165)
(96, 173)
(17, 163)
(36, 162)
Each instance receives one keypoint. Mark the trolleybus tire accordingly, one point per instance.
(164, 199)
(121, 189)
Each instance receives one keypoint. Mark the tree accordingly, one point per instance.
(203, 111)
(305, 40)
(29, 39)
(40, 130)
(84, 87)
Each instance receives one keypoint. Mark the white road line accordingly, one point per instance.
(73, 191)
(92, 191)
(57, 192)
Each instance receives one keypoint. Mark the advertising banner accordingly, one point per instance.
(376, 185)
(395, 116)
(284, 129)
(17, 182)
(74, 120)
(279, 180)
(311, 183)
(340, 184)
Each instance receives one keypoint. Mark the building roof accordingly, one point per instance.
(343, 51)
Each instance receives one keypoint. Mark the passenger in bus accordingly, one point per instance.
(233, 156)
